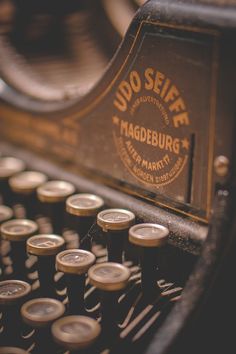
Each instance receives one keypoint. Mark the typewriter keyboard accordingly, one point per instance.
(77, 276)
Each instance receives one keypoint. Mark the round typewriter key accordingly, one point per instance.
(84, 204)
(12, 294)
(6, 213)
(12, 350)
(42, 312)
(12, 291)
(39, 314)
(55, 191)
(76, 332)
(27, 182)
(115, 223)
(24, 185)
(109, 278)
(74, 263)
(8, 167)
(17, 231)
(83, 209)
(45, 247)
(115, 219)
(53, 195)
(150, 237)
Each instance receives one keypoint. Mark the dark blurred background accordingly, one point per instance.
(56, 49)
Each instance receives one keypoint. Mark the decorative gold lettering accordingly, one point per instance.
(171, 94)
(135, 81)
(158, 82)
(177, 105)
(148, 75)
(181, 119)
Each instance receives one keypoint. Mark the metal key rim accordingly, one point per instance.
(82, 210)
(51, 250)
(116, 224)
(145, 240)
(14, 166)
(64, 190)
(18, 235)
(71, 268)
(6, 212)
(109, 283)
(33, 180)
(10, 299)
(75, 341)
(36, 320)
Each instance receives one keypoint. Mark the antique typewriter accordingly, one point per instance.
(117, 176)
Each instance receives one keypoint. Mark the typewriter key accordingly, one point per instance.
(27, 182)
(45, 247)
(24, 184)
(12, 350)
(84, 204)
(76, 333)
(115, 223)
(109, 278)
(12, 294)
(149, 237)
(11, 291)
(53, 195)
(17, 231)
(6, 213)
(39, 314)
(55, 191)
(85, 208)
(74, 264)
(8, 167)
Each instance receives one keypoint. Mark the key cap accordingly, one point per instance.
(6, 214)
(149, 237)
(109, 278)
(24, 185)
(115, 224)
(84, 207)
(53, 195)
(46, 247)
(74, 264)
(17, 231)
(12, 294)
(8, 167)
(40, 313)
(76, 333)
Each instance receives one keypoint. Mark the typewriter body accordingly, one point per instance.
(149, 128)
